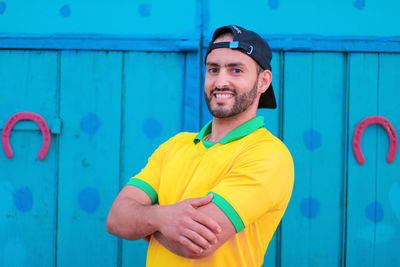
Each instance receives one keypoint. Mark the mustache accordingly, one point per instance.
(222, 90)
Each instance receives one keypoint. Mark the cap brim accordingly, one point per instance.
(267, 99)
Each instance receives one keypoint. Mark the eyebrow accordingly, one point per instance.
(233, 64)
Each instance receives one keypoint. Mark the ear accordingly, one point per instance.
(264, 80)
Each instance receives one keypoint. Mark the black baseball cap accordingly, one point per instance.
(252, 45)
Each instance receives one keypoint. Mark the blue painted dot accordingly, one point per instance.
(273, 4)
(2, 7)
(312, 139)
(144, 10)
(89, 199)
(309, 207)
(152, 128)
(65, 11)
(90, 124)
(359, 4)
(374, 212)
(23, 199)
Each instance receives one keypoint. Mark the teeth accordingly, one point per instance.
(223, 96)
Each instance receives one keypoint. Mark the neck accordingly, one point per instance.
(223, 126)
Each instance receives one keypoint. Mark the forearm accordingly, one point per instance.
(181, 249)
(133, 217)
(130, 220)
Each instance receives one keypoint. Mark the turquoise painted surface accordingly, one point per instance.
(157, 17)
(89, 163)
(373, 221)
(28, 186)
(148, 17)
(314, 131)
(315, 17)
(362, 179)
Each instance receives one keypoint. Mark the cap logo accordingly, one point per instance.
(251, 50)
(237, 29)
(234, 44)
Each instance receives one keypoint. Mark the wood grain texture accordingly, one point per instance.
(28, 186)
(313, 130)
(89, 156)
(373, 216)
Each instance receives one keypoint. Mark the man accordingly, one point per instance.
(214, 198)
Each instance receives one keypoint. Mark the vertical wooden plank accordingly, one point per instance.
(153, 105)
(363, 96)
(89, 156)
(28, 186)
(271, 119)
(192, 93)
(314, 131)
(373, 192)
(387, 204)
(298, 108)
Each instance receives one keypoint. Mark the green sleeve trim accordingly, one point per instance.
(229, 211)
(146, 188)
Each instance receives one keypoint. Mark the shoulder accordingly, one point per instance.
(182, 137)
(265, 145)
(179, 139)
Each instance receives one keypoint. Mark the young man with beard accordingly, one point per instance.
(214, 198)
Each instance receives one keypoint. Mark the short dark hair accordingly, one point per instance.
(259, 69)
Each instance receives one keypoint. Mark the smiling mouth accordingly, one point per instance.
(222, 96)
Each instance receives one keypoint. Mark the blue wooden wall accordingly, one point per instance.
(115, 80)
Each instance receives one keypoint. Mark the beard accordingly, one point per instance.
(240, 102)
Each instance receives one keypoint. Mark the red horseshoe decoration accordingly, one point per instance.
(360, 129)
(5, 137)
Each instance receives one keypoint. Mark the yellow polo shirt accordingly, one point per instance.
(250, 173)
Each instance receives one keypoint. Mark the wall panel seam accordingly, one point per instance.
(59, 137)
(346, 157)
(121, 159)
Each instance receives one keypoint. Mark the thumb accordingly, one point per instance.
(201, 201)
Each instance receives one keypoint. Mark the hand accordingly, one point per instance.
(177, 248)
(182, 223)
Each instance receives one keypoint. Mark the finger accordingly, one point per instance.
(207, 222)
(201, 201)
(197, 239)
(204, 232)
(190, 245)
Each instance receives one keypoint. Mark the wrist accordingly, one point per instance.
(153, 216)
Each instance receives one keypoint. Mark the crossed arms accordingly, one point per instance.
(192, 228)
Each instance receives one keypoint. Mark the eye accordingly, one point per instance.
(236, 71)
(212, 70)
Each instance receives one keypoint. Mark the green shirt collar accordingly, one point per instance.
(242, 130)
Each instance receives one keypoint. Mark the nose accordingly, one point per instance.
(222, 80)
